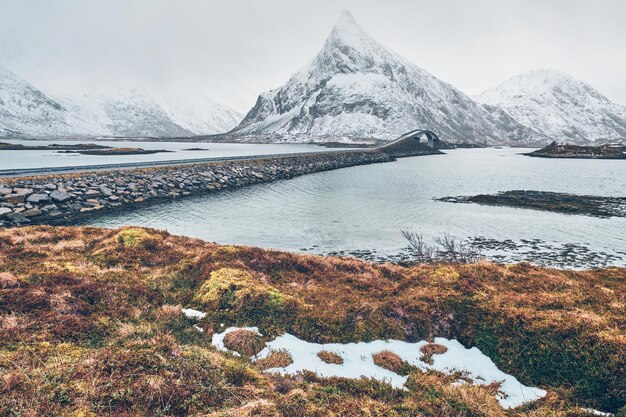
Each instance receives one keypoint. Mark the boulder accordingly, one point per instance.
(4, 211)
(14, 198)
(17, 218)
(32, 212)
(38, 198)
(60, 196)
(105, 191)
(92, 202)
(23, 191)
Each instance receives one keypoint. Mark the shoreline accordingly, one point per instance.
(66, 198)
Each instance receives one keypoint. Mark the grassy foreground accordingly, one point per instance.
(91, 325)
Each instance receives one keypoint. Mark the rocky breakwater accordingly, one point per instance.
(62, 199)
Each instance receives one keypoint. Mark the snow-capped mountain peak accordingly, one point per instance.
(558, 105)
(347, 32)
(541, 82)
(356, 88)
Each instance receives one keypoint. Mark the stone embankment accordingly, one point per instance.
(62, 199)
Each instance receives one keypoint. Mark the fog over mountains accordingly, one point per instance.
(170, 111)
(353, 89)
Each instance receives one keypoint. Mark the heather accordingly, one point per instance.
(91, 323)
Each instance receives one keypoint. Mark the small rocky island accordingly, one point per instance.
(586, 205)
(81, 148)
(118, 151)
(562, 150)
(4, 146)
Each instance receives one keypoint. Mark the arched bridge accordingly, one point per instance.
(415, 142)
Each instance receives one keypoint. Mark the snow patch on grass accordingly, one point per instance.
(193, 314)
(358, 362)
(596, 412)
(218, 339)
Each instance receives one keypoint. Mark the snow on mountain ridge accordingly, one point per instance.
(558, 105)
(165, 111)
(355, 87)
(190, 108)
(26, 110)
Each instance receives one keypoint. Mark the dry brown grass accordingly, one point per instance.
(330, 357)
(10, 380)
(8, 280)
(12, 323)
(169, 310)
(430, 349)
(245, 342)
(390, 361)
(256, 408)
(276, 359)
(66, 245)
(433, 349)
(98, 327)
(62, 302)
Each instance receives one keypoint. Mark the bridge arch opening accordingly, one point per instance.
(414, 142)
(426, 137)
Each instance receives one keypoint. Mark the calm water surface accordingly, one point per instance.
(362, 210)
(178, 151)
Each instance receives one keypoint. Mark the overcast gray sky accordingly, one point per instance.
(235, 49)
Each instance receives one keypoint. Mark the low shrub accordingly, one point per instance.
(430, 349)
(276, 359)
(330, 357)
(243, 341)
(97, 326)
(133, 237)
(392, 362)
(237, 296)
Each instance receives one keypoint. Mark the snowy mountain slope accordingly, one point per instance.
(187, 106)
(96, 111)
(356, 88)
(123, 113)
(560, 106)
(135, 112)
(26, 110)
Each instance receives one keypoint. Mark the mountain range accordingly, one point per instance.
(353, 90)
(559, 106)
(27, 111)
(356, 88)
